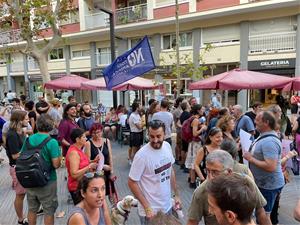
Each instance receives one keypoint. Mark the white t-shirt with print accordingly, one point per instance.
(152, 168)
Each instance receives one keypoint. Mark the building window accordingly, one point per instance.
(169, 41)
(72, 17)
(80, 53)
(103, 56)
(56, 53)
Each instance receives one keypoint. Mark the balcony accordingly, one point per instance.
(96, 20)
(274, 42)
(11, 36)
(16, 66)
(131, 14)
(32, 64)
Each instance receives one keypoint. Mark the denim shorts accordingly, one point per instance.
(270, 196)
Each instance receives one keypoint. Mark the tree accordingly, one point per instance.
(34, 17)
(187, 65)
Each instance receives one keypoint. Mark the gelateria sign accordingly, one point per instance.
(272, 64)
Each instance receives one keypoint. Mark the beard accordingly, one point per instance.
(156, 145)
(89, 114)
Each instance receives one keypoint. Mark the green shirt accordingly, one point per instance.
(49, 152)
(199, 204)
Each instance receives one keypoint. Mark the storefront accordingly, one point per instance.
(282, 67)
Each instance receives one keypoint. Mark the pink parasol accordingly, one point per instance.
(137, 83)
(68, 82)
(243, 79)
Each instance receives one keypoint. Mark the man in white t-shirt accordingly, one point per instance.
(151, 177)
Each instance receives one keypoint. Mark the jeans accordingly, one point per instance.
(270, 196)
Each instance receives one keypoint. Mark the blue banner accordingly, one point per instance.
(133, 63)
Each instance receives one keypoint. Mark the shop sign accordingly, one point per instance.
(271, 64)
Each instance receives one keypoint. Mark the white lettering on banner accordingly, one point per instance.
(275, 63)
(135, 57)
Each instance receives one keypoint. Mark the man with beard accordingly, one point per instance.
(66, 126)
(151, 177)
(232, 204)
(86, 119)
(41, 106)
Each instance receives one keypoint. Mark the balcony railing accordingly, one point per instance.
(274, 42)
(95, 20)
(16, 66)
(11, 36)
(131, 14)
(32, 64)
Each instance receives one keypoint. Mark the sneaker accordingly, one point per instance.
(40, 211)
(23, 222)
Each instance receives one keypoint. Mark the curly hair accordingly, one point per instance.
(224, 122)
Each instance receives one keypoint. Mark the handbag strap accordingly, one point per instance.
(111, 194)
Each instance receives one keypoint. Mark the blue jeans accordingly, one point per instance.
(145, 221)
(270, 196)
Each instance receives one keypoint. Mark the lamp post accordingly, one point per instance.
(112, 45)
(177, 49)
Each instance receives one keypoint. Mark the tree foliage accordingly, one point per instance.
(187, 66)
(35, 18)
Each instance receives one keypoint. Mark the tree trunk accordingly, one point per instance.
(42, 61)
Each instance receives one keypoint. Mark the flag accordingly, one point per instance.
(133, 63)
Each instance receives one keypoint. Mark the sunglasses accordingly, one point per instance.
(156, 123)
(90, 175)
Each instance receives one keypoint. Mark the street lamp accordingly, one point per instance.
(112, 44)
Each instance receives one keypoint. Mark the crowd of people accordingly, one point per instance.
(230, 182)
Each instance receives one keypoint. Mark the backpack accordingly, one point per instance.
(31, 168)
(186, 130)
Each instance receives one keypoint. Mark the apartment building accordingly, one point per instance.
(255, 35)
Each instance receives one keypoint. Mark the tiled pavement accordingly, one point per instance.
(290, 194)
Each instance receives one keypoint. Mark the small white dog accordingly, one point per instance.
(120, 213)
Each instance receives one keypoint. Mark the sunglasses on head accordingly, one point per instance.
(90, 175)
(156, 123)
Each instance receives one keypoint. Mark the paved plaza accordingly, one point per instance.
(290, 195)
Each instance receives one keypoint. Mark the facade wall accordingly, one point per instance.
(222, 54)
(169, 11)
(205, 5)
(272, 35)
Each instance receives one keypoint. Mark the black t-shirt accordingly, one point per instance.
(32, 114)
(184, 116)
(14, 144)
(41, 104)
(252, 116)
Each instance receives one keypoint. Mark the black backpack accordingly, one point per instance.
(31, 168)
